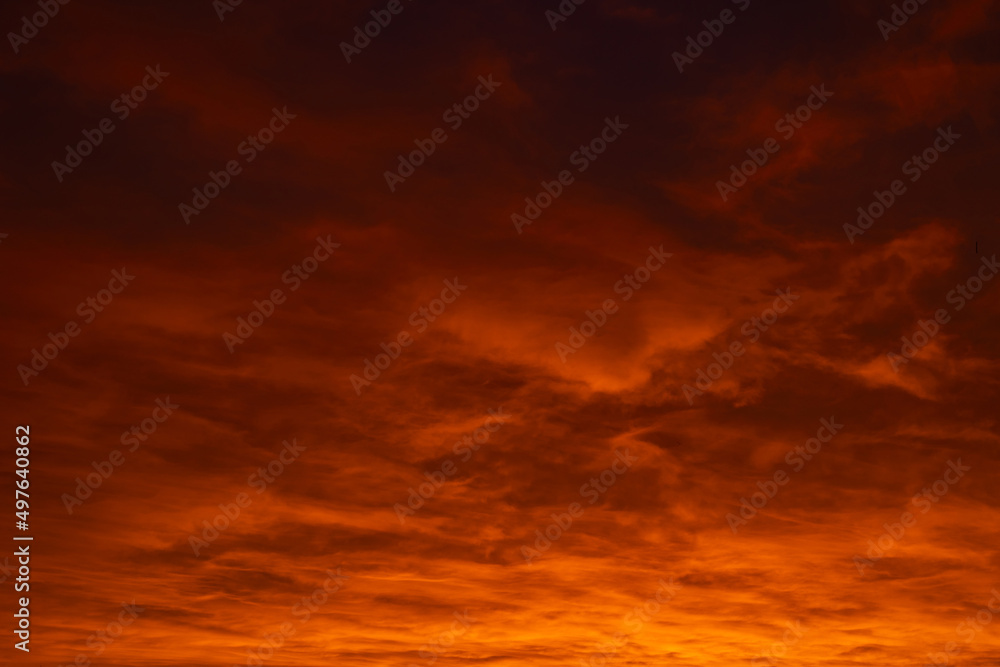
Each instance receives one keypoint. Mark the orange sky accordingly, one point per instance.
(599, 438)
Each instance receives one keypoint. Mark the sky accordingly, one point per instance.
(518, 333)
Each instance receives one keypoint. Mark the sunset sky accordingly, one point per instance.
(662, 412)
